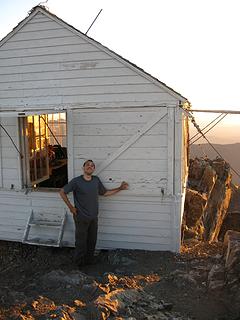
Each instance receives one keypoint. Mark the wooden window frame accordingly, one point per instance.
(27, 145)
(39, 171)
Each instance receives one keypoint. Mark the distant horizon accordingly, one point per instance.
(222, 144)
(226, 131)
(229, 152)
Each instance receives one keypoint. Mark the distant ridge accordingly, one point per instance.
(230, 153)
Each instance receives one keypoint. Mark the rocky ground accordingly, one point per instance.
(43, 283)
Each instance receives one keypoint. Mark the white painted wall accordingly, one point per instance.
(46, 64)
(140, 217)
(10, 175)
(97, 135)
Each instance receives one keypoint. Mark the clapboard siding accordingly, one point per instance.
(33, 26)
(128, 216)
(141, 115)
(111, 141)
(8, 152)
(11, 234)
(135, 231)
(10, 162)
(38, 52)
(58, 66)
(14, 210)
(120, 129)
(131, 154)
(110, 243)
(147, 175)
(41, 43)
(81, 82)
(6, 141)
(74, 91)
(62, 74)
(11, 129)
(131, 221)
(125, 98)
(63, 50)
(138, 205)
(111, 113)
(140, 165)
(129, 239)
(134, 223)
(55, 32)
(140, 177)
(40, 17)
(73, 60)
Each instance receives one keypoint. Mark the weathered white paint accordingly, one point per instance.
(147, 222)
(140, 132)
(170, 156)
(1, 156)
(70, 149)
(115, 115)
(46, 62)
(135, 223)
(10, 166)
(133, 154)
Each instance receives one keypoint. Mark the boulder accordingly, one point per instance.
(232, 220)
(207, 199)
(216, 277)
(208, 180)
(232, 258)
(194, 207)
(196, 169)
(216, 210)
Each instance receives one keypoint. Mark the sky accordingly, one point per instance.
(192, 46)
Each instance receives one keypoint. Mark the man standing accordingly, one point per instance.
(86, 189)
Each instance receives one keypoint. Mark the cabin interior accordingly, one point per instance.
(43, 143)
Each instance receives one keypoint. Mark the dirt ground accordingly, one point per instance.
(43, 283)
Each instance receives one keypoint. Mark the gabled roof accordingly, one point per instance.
(126, 62)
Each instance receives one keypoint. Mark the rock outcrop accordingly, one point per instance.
(232, 220)
(207, 199)
(232, 259)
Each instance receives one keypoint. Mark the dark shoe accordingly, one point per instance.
(80, 262)
(91, 261)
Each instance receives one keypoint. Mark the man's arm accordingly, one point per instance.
(123, 186)
(68, 203)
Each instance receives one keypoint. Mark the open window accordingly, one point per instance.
(44, 149)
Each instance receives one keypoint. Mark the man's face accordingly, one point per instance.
(89, 168)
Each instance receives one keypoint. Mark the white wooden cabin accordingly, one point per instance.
(60, 87)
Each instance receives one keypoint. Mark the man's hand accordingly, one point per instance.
(68, 203)
(123, 186)
(73, 210)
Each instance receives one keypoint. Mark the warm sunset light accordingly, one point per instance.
(119, 160)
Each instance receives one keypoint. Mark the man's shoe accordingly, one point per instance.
(91, 261)
(80, 262)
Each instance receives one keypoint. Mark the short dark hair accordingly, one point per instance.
(88, 161)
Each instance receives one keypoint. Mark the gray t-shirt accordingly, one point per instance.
(85, 194)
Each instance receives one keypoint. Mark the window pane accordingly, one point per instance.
(37, 141)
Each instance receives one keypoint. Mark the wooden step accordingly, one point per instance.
(38, 220)
(43, 223)
(41, 242)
